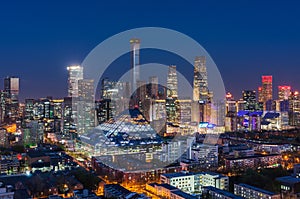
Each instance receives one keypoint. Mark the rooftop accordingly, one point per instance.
(183, 174)
(254, 156)
(257, 189)
(288, 180)
(222, 192)
(184, 195)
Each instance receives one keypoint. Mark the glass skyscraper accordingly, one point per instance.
(172, 82)
(135, 62)
(75, 74)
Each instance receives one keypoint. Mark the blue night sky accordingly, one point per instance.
(246, 39)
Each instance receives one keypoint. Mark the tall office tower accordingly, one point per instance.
(267, 88)
(200, 89)
(11, 86)
(284, 92)
(294, 109)
(115, 92)
(29, 109)
(3, 102)
(135, 62)
(250, 98)
(69, 127)
(201, 94)
(103, 110)
(218, 112)
(75, 74)
(141, 90)
(56, 110)
(85, 119)
(172, 82)
(153, 84)
(173, 111)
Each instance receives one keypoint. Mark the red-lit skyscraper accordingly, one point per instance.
(267, 89)
(284, 92)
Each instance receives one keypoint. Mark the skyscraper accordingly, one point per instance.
(267, 88)
(200, 87)
(85, 119)
(135, 62)
(250, 98)
(153, 84)
(11, 87)
(284, 92)
(202, 105)
(141, 91)
(75, 74)
(172, 82)
(294, 109)
(3, 105)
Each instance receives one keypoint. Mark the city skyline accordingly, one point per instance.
(149, 99)
(250, 44)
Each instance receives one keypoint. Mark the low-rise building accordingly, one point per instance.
(116, 191)
(289, 187)
(193, 182)
(6, 191)
(251, 192)
(214, 193)
(167, 191)
(255, 161)
(183, 180)
(84, 194)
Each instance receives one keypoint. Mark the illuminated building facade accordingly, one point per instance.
(206, 155)
(250, 98)
(173, 111)
(29, 109)
(103, 110)
(68, 119)
(172, 82)
(194, 182)
(135, 63)
(231, 106)
(3, 102)
(116, 92)
(294, 109)
(75, 74)
(267, 88)
(172, 103)
(11, 87)
(202, 112)
(284, 92)
(200, 88)
(85, 118)
(185, 106)
(3, 137)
